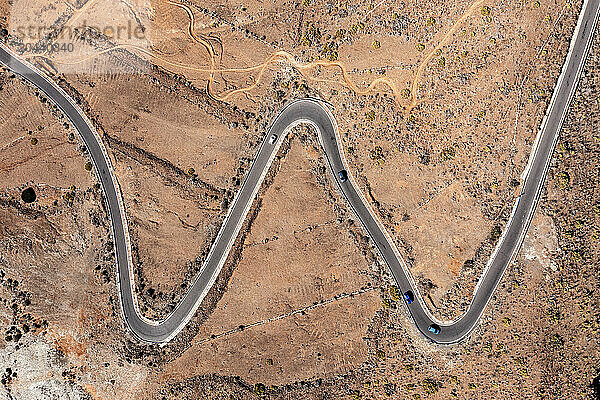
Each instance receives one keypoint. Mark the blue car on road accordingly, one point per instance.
(409, 297)
(343, 175)
(434, 328)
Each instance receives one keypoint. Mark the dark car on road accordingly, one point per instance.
(409, 297)
(343, 175)
(434, 328)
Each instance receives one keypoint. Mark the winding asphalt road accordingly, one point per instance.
(316, 114)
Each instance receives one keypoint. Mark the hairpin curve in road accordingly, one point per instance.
(316, 114)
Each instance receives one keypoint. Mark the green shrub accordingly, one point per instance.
(260, 389)
(430, 386)
(562, 179)
(394, 293)
(448, 154)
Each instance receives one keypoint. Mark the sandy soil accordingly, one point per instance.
(305, 311)
(463, 113)
(271, 281)
(57, 267)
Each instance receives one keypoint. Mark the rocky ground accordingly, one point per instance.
(303, 308)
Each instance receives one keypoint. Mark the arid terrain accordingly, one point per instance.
(438, 106)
